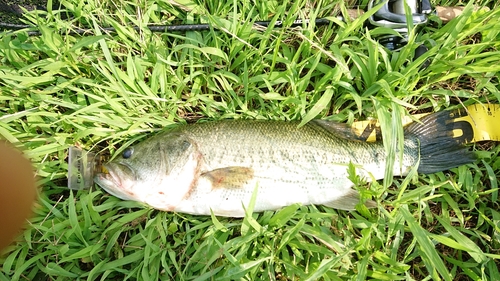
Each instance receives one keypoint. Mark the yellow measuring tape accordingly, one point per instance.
(478, 122)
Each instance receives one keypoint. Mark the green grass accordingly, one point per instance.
(104, 91)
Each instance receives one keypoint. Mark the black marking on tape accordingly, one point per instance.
(369, 130)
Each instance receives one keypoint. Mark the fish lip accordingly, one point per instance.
(113, 181)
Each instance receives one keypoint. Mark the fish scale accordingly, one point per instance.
(216, 166)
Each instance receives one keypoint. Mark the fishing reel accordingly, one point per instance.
(392, 15)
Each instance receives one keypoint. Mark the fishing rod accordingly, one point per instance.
(391, 15)
(173, 27)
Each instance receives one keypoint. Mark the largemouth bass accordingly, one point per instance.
(216, 166)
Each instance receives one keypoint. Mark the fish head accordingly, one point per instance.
(160, 171)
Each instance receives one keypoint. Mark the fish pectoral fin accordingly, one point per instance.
(229, 177)
(349, 201)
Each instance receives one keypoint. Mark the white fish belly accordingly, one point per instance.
(274, 191)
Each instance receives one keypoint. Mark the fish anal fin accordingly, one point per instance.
(229, 177)
(349, 201)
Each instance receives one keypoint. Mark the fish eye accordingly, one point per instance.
(186, 144)
(127, 153)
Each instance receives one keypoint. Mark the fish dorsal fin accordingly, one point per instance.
(340, 130)
(229, 177)
(349, 201)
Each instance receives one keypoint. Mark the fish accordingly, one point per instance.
(215, 167)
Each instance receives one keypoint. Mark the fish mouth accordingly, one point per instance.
(117, 180)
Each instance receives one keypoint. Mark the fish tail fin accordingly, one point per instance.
(349, 201)
(439, 149)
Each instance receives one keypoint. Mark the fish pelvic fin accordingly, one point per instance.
(439, 149)
(349, 201)
(229, 177)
